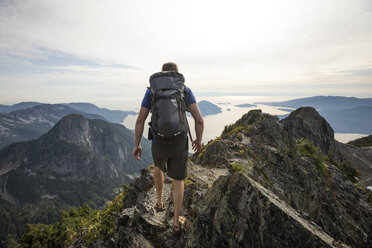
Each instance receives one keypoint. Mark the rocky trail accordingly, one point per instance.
(141, 226)
(142, 218)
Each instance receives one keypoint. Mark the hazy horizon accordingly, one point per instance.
(133, 103)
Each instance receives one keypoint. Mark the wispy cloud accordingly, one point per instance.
(45, 60)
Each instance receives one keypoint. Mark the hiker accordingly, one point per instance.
(168, 131)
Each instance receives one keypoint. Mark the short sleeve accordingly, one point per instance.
(146, 102)
(190, 98)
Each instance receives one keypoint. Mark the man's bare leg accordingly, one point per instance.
(177, 201)
(159, 182)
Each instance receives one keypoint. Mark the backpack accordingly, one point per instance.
(168, 107)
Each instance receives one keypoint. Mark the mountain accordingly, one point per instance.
(262, 183)
(208, 108)
(3, 107)
(354, 120)
(345, 114)
(245, 105)
(18, 106)
(115, 116)
(31, 123)
(79, 161)
(323, 102)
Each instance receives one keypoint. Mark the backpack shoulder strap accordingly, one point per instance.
(186, 92)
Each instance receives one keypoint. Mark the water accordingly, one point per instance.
(214, 124)
(346, 137)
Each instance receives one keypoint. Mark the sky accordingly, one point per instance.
(104, 52)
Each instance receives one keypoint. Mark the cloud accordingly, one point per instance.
(51, 60)
(242, 45)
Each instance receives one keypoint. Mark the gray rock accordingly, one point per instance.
(237, 213)
(306, 122)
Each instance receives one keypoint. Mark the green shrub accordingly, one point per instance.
(237, 168)
(345, 167)
(308, 149)
(228, 128)
(11, 242)
(208, 145)
(82, 224)
(190, 179)
(348, 171)
(232, 129)
(261, 171)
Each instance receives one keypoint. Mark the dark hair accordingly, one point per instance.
(170, 66)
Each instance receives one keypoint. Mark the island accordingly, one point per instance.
(245, 105)
(208, 108)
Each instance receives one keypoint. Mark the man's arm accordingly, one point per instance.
(199, 126)
(138, 131)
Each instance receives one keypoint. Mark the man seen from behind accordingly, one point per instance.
(168, 99)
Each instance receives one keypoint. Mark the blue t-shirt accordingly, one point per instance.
(146, 102)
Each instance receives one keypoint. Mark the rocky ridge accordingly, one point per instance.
(262, 183)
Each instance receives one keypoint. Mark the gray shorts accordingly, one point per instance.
(171, 159)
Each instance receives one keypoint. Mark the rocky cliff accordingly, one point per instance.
(78, 161)
(262, 183)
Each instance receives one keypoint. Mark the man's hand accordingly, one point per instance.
(196, 145)
(199, 126)
(137, 152)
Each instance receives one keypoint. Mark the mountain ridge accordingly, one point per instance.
(115, 116)
(31, 123)
(18, 106)
(323, 102)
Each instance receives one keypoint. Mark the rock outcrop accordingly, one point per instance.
(305, 122)
(239, 212)
(263, 183)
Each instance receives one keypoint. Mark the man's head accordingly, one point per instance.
(170, 66)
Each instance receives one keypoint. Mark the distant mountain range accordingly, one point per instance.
(29, 120)
(323, 102)
(78, 161)
(345, 114)
(18, 106)
(115, 116)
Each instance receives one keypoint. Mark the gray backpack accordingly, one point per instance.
(168, 107)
